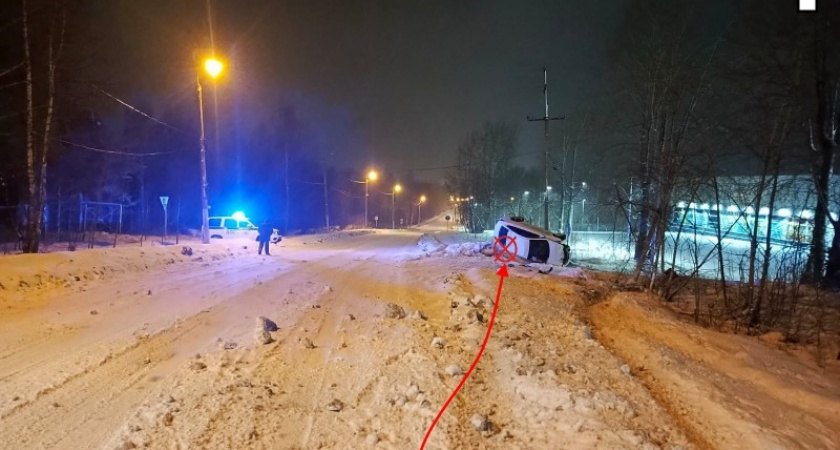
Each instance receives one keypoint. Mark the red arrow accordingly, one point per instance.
(502, 272)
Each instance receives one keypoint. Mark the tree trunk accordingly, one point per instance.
(31, 237)
(826, 125)
(719, 245)
(832, 270)
(36, 159)
(755, 317)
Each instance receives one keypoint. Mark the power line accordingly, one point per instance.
(138, 111)
(455, 166)
(111, 152)
(306, 182)
(345, 193)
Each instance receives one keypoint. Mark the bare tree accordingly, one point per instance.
(667, 70)
(824, 141)
(483, 164)
(40, 113)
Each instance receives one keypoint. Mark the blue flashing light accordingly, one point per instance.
(239, 215)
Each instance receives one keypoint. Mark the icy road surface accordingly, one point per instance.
(143, 347)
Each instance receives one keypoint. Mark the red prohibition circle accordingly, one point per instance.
(502, 251)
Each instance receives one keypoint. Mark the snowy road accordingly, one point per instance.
(148, 348)
(83, 358)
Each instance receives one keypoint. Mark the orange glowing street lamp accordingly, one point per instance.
(422, 200)
(214, 68)
(371, 176)
(397, 190)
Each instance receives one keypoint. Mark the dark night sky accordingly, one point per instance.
(397, 83)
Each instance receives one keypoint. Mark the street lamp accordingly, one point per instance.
(397, 189)
(422, 200)
(213, 67)
(525, 194)
(371, 176)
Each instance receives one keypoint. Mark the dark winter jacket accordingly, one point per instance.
(264, 231)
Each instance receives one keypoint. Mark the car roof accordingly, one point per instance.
(230, 217)
(530, 227)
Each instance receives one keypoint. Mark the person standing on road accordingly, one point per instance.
(264, 237)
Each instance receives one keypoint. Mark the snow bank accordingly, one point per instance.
(64, 269)
(335, 236)
(570, 272)
(466, 249)
(430, 245)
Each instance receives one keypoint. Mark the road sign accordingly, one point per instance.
(164, 200)
(448, 218)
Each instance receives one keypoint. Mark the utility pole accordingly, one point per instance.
(545, 119)
(326, 199)
(205, 208)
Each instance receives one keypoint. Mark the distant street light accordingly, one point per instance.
(214, 68)
(525, 194)
(371, 176)
(422, 200)
(397, 190)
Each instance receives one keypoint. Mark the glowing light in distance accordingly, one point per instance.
(213, 67)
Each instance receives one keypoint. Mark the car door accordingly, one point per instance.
(230, 227)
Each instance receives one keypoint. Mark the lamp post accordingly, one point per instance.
(422, 200)
(371, 176)
(583, 211)
(545, 201)
(520, 202)
(213, 67)
(397, 189)
(583, 189)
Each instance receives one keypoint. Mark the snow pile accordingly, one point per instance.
(428, 244)
(466, 249)
(64, 269)
(570, 272)
(321, 238)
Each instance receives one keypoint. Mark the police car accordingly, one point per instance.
(533, 244)
(237, 226)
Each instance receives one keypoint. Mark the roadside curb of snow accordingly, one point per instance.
(25, 272)
(429, 245)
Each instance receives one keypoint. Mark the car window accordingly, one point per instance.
(523, 232)
(230, 224)
(215, 223)
(244, 225)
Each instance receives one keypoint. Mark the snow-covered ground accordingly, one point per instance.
(153, 347)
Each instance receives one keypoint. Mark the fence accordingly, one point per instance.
(80, 221)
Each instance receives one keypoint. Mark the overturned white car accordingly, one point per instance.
(533, 244)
